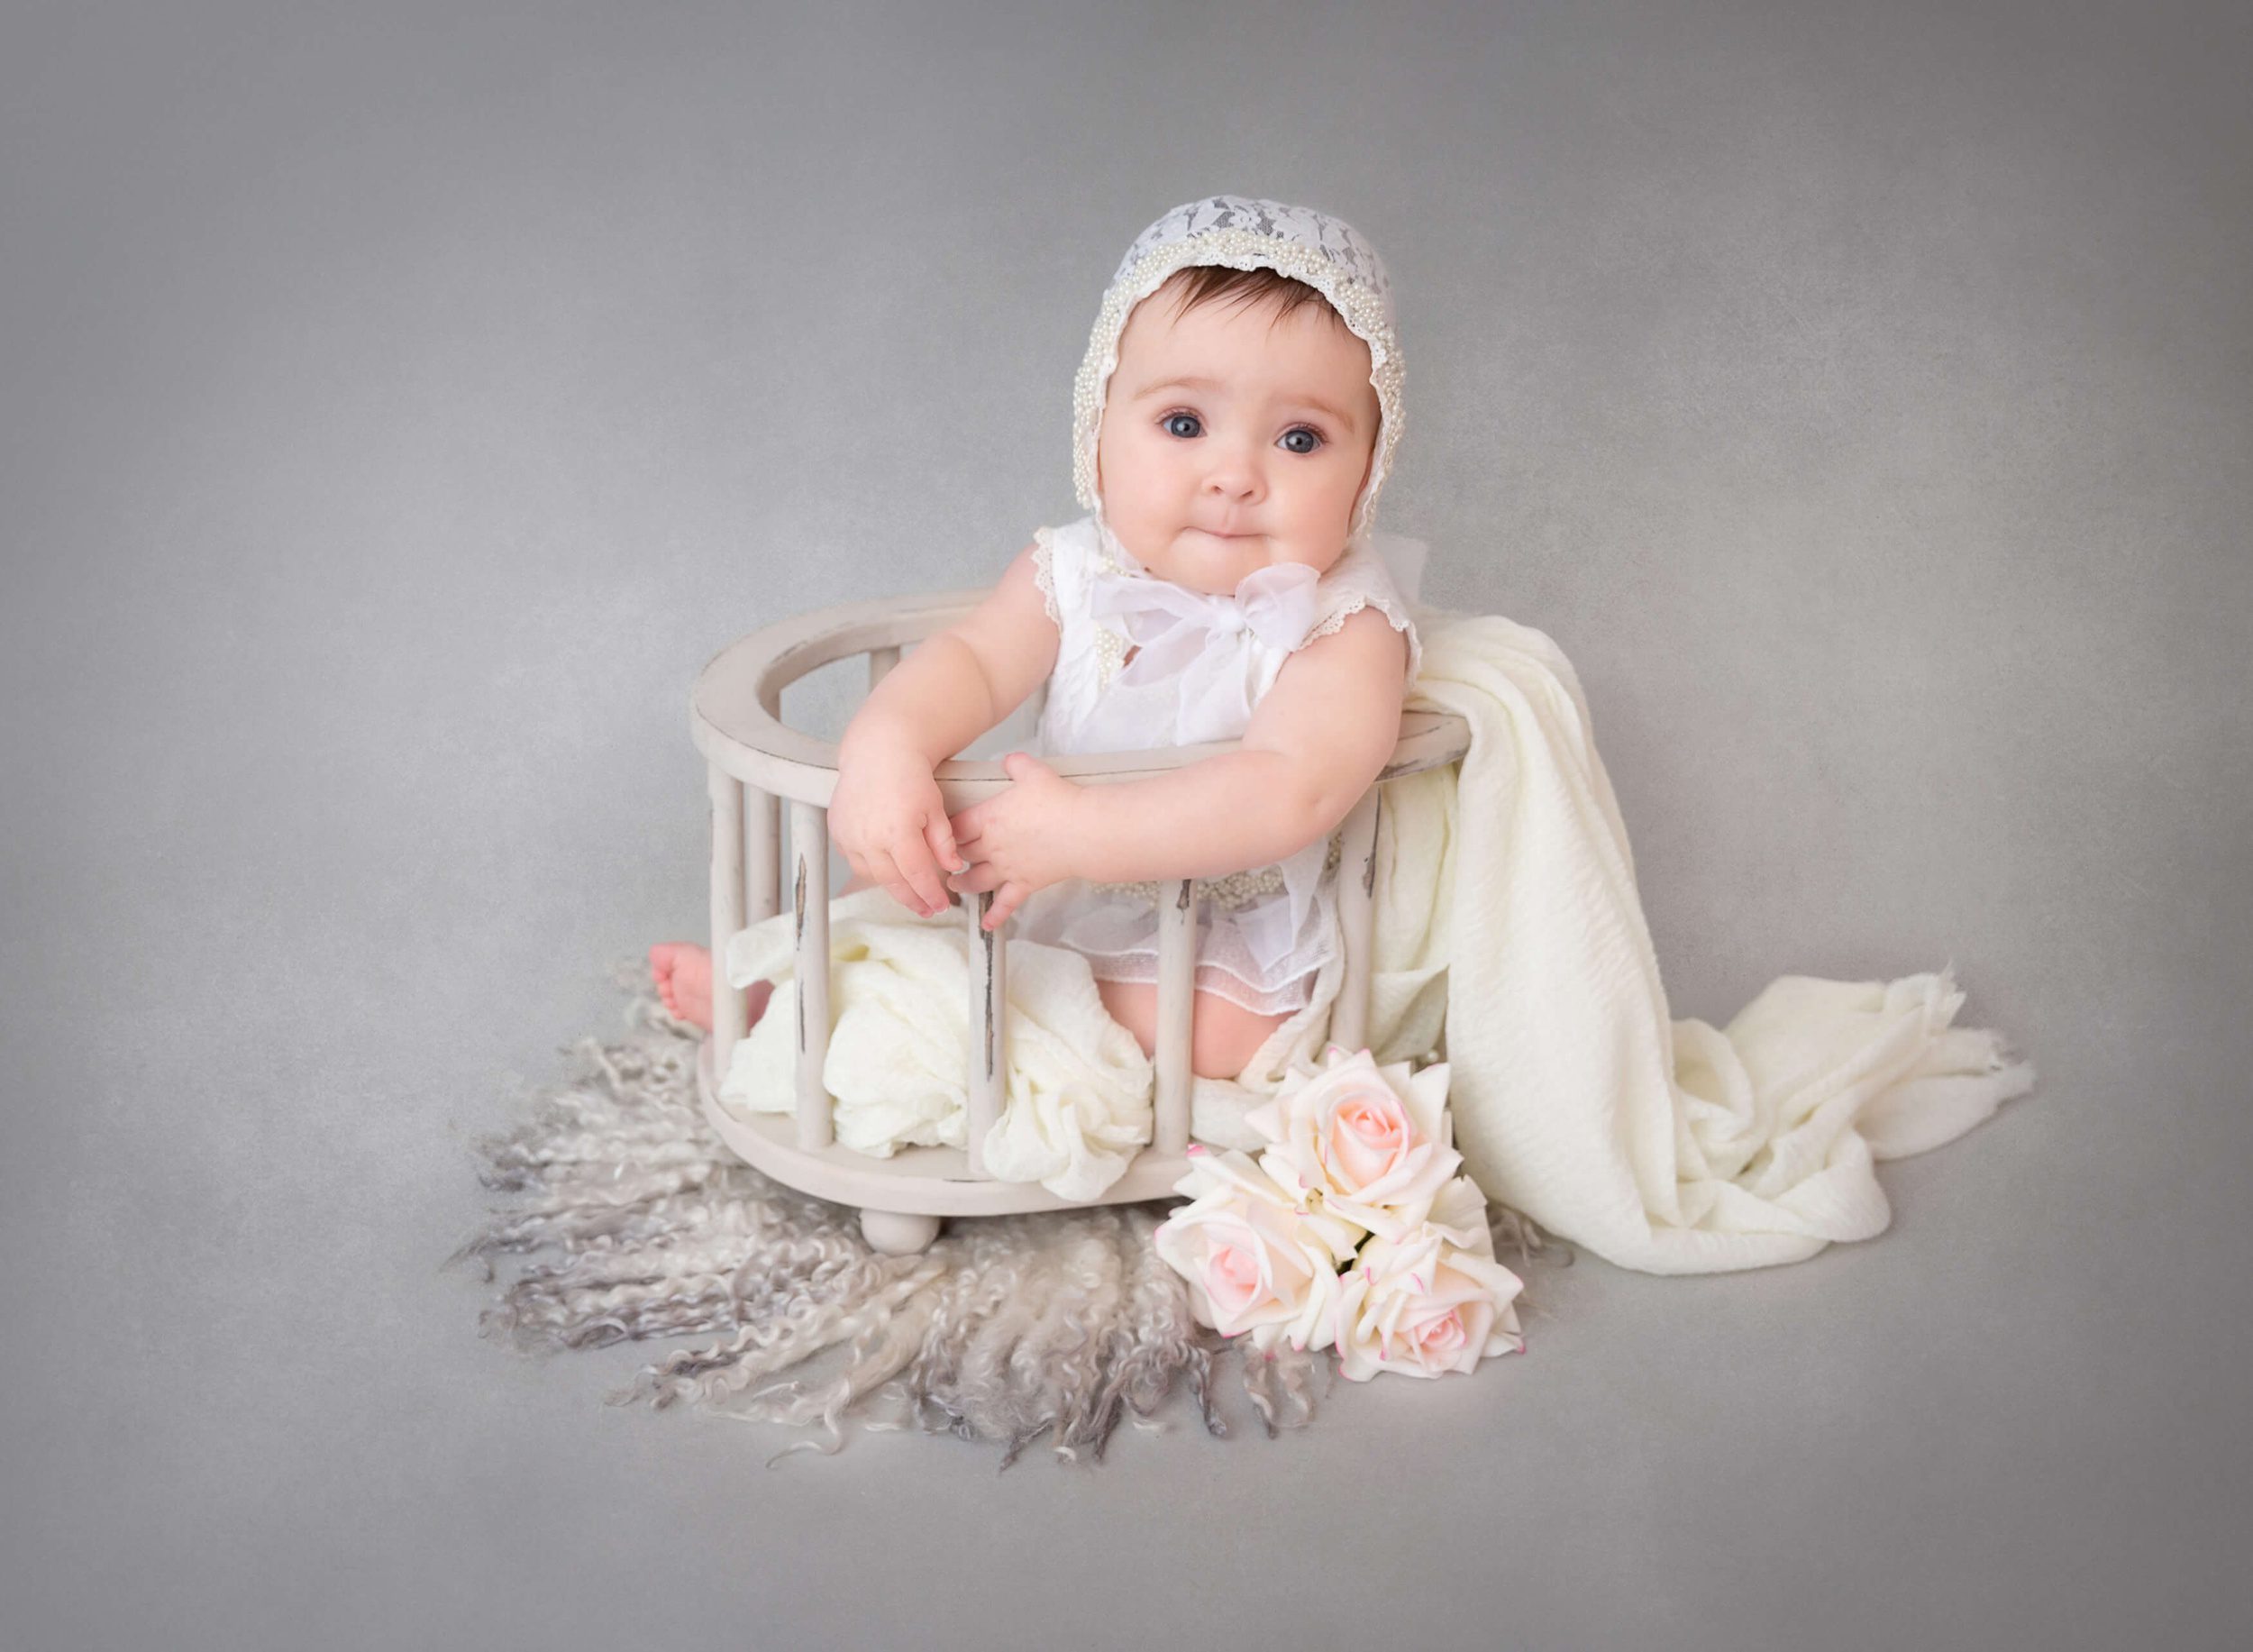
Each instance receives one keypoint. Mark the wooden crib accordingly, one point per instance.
(754, 763)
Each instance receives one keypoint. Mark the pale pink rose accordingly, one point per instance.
(1424, 1306)
(1254, 1261)
(1373, 1145)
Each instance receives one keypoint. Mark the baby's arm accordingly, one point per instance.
(886, 813)
(1315, 743)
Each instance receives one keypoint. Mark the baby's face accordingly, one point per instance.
(1232, 441)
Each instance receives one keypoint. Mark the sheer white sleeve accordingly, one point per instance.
(1362, 580)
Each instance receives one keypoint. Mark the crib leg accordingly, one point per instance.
(892, 1233)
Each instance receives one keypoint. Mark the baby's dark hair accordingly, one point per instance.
(1198, 284)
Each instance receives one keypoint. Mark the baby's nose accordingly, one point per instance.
(1233, 485)
(1234, 473)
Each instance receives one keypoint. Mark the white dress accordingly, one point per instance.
(1200, 664)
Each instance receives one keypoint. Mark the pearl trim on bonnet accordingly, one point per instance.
(1365, 308)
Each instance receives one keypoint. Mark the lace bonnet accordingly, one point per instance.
(1244, 234)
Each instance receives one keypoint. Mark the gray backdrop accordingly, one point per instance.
(402, 402)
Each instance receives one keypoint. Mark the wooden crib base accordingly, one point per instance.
(902, 1199)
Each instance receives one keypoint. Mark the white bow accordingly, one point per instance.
(1174, 628)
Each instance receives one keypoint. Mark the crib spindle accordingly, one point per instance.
(1357, 920)
(727, 911)
(810, 895)
(989, 1009)
(1177, 982)
(763, 856)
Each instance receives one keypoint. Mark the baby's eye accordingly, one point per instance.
(1290, 439)
(1173, 420)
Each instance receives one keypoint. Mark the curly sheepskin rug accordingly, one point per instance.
(634, 1221)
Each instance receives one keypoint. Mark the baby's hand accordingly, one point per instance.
(889, 820)
(1020, 840)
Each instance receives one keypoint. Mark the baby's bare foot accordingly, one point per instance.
(683, 973)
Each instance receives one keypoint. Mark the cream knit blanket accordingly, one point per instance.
(1506, 886)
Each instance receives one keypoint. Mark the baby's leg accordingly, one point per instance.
(683, 973)
(1223, 1036)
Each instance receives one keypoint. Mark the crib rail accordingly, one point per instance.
(756, 763)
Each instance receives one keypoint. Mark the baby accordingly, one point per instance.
(1236, 416)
